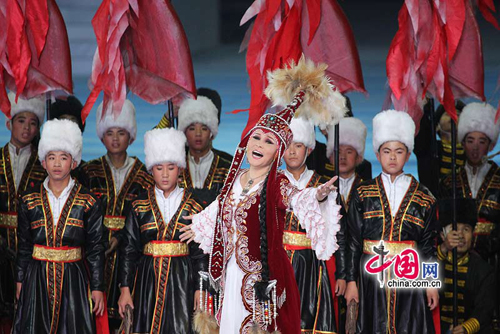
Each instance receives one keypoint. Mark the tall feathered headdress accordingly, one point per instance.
(283, 30)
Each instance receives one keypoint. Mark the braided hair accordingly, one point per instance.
(261, 287)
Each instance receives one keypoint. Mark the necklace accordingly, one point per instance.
(251, 182)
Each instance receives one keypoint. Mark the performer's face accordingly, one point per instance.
(261, 148)
(465, 234)
(393, 156)
(199, 137)
(58, 165)
(24, 127)
(166, 176)
(116, 140)
(295, 155)
(476, 145)
(348, 160)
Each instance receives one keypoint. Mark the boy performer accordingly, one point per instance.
(19, 168)
(61, 245)
(117, 179)
(313, 278)
(352, 139)
(476, 278)
(204, 168)
(394, 208)
(159, 271)
(480, 179)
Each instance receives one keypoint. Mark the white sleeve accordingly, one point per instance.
(320, 220)
(203, 226)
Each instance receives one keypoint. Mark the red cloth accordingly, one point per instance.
(142, 47)
(332, 268)
(101, 322)
(436, 50)
(34, 51)
(436, 319)
(283, 30)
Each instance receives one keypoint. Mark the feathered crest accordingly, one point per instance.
(323, 104)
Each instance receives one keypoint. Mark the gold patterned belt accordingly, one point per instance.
(484, 228)
(57, 254)
(394, 247)
(114, 223)
(8, 219)
(296, 240)
(166, 249)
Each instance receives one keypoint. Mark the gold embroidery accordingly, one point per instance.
(297, 239)
(57, 254)
(75, 222)
(114, 223)
(491, 204)
(148, 226)
(415, 220)
(484, 228)
(373, 214)
(450, 295)
(460, 283)
(166, 249)
(8, 219)
(394, 247)
(37, 223)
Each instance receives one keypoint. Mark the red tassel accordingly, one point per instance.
(101, 321)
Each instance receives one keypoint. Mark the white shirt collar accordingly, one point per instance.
(22, 151)
(476, 180)
(169, 205)
(199, 171)
(207, 157)
(173, 193)
(66, 190)
(396, 190)
(303, 180)
(345, 186)
(129, 161)
(387, 177)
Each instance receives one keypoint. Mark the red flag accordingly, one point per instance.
(142, 47)
(283, 30)
(437, 50)
(35, 57)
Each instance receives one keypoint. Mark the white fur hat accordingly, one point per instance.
(202, 110)
(392, 125)
(303, 132)
(478, 116)
(61, 135)
(126, 120)
(352, 132)
(35, 105)
(165, 145)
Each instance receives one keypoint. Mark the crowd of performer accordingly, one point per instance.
(136, 239)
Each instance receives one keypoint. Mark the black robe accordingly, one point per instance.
(370, 218)
(487, 231)
(215, 178)
(433, 167)
(55, 296)
(162, 287)
(486, 240)
(97, 176)
(32, 175)
(312, 276)
(476, 286)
